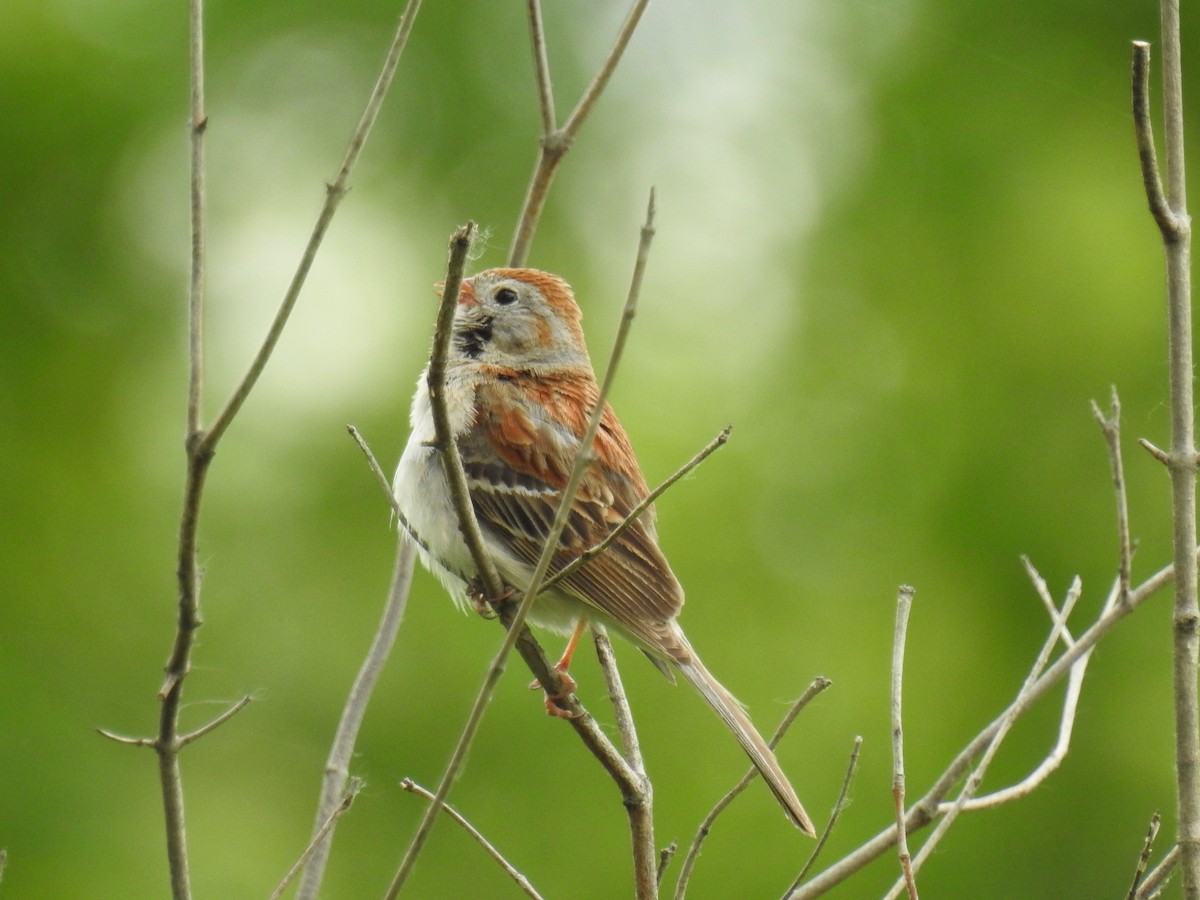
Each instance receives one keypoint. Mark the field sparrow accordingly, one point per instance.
(519, 390)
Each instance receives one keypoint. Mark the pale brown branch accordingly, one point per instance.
(216, 723)
(334, 193)
(555, 142)
(641, 806)
(1144, 857)
(1110, 426)
(925, 810)
(541, 66)
(903, 607)
(521, 881)
(842, 801)
(337, 765)
(818, 685)
(1153, 884)
(1143, 129)
(646, 502)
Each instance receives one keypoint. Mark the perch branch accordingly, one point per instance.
(522, 882)
(818, 685)
(514, 621)
(555, 142)
(903, 608)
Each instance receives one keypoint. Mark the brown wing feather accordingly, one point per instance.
(518, 461)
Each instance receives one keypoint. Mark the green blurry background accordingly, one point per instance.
(901, 246)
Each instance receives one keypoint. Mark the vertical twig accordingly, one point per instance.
(555, 142)
(842, 800)
(1110, 425)
(903, 608)
(1170, 212)
(641, 812)
(1144, 857)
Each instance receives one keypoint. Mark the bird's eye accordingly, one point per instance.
(505, 296)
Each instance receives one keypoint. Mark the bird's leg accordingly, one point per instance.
(561, 667)
(482, 603)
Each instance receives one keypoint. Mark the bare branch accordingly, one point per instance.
(1110, 425)
(818, 685)
(555, 142)
(1144, 858)
(1174, 223)
(198, 127)
(842, 800)
(541, 66)
(641, 809)
(1161, 455)
(664, 859)
(903, 608)
(1143, 129)
(216, 723)
(335, 191)
(926, 809)
(337, 765)
(522, 882)
(1153, 884)
(635, 513)
(319, 838)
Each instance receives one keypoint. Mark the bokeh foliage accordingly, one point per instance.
(901, 245)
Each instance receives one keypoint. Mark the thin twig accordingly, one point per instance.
(842, 802)
(334, 193)
(1110, 425)
(641, 811)
(318, 839)
(514, 621)
(555, 142)
(664, 859)
(592, 552)
(818, 685)
(196, 279)
(380, 475)
(1144, 857)
(1143, 129)
(185, 739)
(1153, 884)
(337, 765)
(541, 66)
(925, 810)
(903, 607)
(522, 882)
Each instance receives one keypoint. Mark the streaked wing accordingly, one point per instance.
(518, 457)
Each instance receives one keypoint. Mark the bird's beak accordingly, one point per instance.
(466, 293)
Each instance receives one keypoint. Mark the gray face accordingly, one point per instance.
(505, 321)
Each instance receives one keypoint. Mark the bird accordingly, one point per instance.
(520, 390)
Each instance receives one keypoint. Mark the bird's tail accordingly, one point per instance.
(736, 720)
